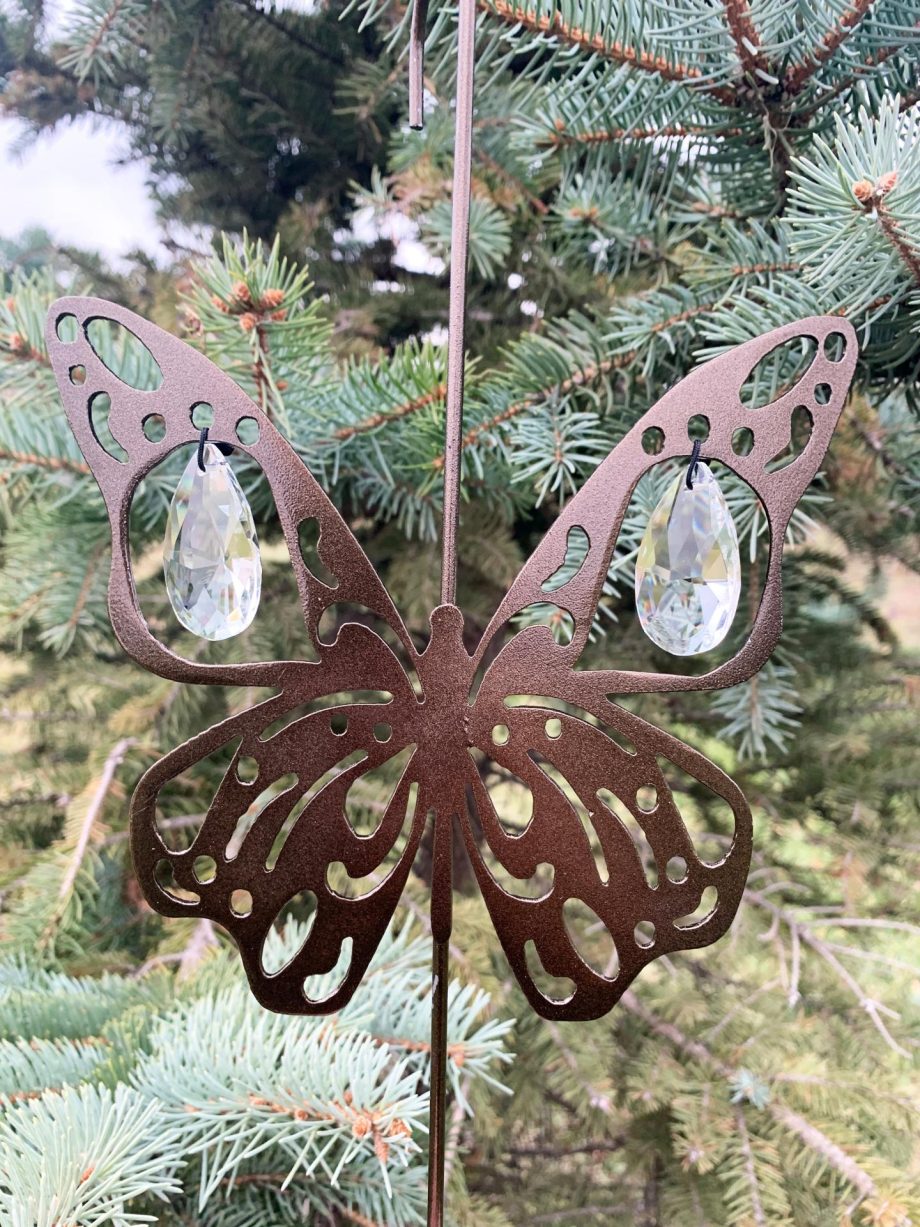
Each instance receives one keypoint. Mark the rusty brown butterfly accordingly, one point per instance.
(519, 698)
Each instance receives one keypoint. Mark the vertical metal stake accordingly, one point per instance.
(453, 443)
(437, 1121)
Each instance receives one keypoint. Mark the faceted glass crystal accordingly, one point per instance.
(211, 552)
(688, 571)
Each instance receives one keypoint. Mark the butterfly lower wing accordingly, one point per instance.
(188, 379)
(291, 835)
(582, 848)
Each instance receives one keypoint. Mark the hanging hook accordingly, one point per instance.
(417, 64)
(224, 448)
(694, 461)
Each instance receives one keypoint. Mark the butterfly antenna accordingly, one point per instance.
(441, 886)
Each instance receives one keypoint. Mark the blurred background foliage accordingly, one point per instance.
(652, 183)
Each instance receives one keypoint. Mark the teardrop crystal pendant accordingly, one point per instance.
(688, 571)
(211, 553)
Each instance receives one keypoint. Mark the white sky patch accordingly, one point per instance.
(293, 6)
(71, 184)
(414, 257)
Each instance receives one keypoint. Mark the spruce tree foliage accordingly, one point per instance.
(173, 1100)
(653, 184)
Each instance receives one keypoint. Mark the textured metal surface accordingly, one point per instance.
(442, 862)
(596, 745)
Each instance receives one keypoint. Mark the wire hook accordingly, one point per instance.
(224, 448)
(694, 461)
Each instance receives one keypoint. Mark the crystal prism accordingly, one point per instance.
(688, 571)
(211, 552)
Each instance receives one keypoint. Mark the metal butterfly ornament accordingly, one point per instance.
(425, 701)
(519, 697)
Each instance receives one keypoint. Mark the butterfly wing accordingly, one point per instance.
(566, 773)
(352, 876)
(605, 841)
(190, 379)
(286, 834)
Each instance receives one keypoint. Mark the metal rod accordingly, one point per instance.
(459, 245)
(437, 1121)
(453, 442)
(417, 64)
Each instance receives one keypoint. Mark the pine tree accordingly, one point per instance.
(652, 185)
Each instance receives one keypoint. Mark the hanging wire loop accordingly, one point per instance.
(225, 449)
(694, 461)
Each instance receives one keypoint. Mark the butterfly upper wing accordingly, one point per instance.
(565, 772)
(323, 758)
(713, 390)
(188, 379)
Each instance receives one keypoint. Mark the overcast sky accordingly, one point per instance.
(71, 184)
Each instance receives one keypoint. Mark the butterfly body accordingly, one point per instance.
(600, 824)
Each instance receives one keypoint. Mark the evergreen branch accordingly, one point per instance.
(745, 36)
(863, 71)
(379, 1124)
(435, 396)
(716, 211)
(757, 270)
(506, 176)
(579, 379)
(867, 922)
(516, 14)
(17, 346)
(107, 1148)
(818, 1141)
(202, 940)
(810, 1134)
(872, 199)
(101, 42)
(46, 1004)
(31, 1067)
(108, 20)
(595, 1096)
(582, 377)
(872, 1007)
(799, 74)
(360, 1220)
(83, 593)
(55, 463)
(561, 139)
(452, 1142)
(91, 814)
(749, 1168)
(289, 31)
